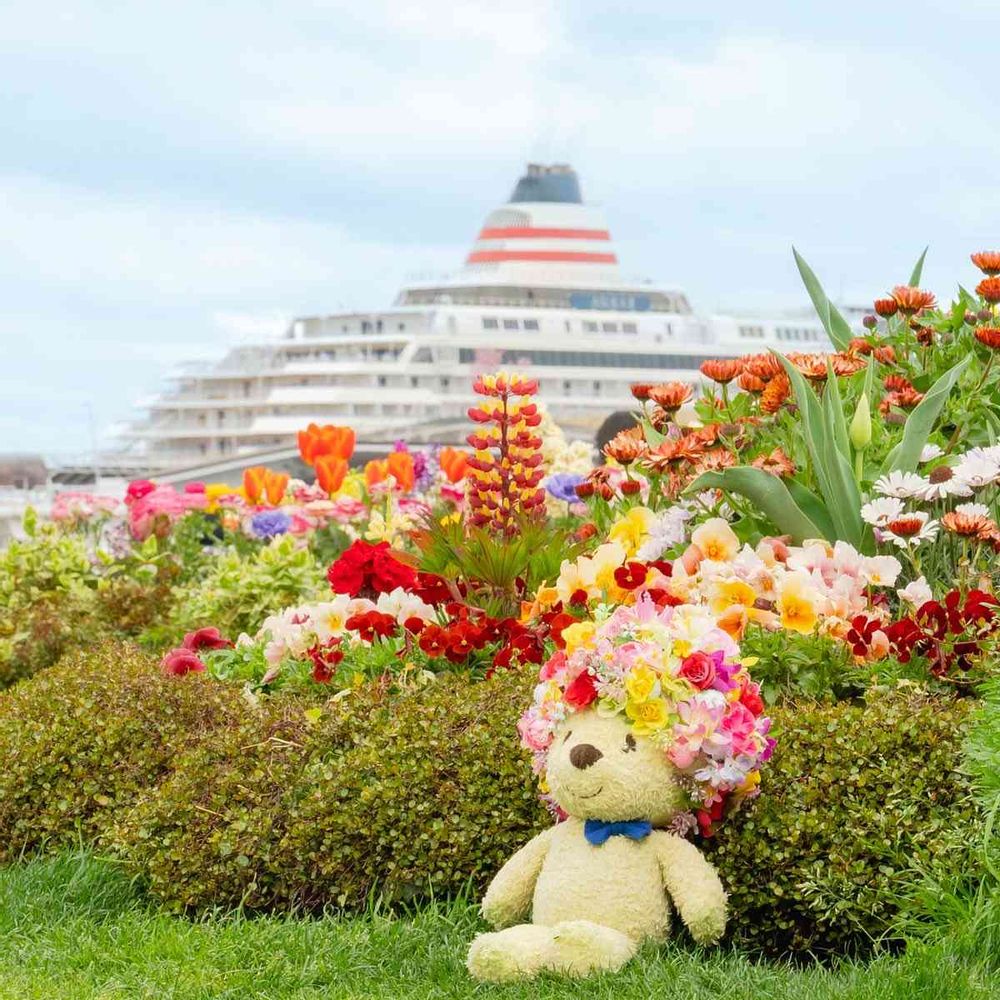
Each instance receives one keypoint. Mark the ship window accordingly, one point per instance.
(530, 324)
(567, 326)
(566, 386)
(414, 381)
(378, 326)
(629, 328)
(590, 327)
(381, 380)
(445, 381)
(489, 323)
(609, 327)
(670, 330)
(402, 326)
(510, 324)
(365, 326)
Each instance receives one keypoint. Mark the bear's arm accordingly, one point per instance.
(693, 885)
(508, 898)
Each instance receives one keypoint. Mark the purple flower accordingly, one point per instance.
(563, 486)
(269, 523)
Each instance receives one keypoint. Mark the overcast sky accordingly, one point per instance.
(174, 176)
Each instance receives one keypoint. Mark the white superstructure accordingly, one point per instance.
(540, 292)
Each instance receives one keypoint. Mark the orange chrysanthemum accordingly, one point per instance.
(777, 463)
(722, 370)
(626, 446)
(906, 527)
(988, 261)
(911, 300)
(989, 335)
(641, 391)
(750, 383)
(764, 366)
(670, 395)
(968, 525)
(885, 355)
(989, 289)
(715, 460)
(845, 364)
(886, 307)
(775, 393)
(859, 345)
(897, 383)
(811, 365)
(905, 399)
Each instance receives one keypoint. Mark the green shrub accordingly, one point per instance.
(428, 791)
(82, 740)
(46, 600)
(238, 591)
(858, 802)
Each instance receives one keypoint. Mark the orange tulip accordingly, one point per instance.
(376, 472)
(453, 463)
(326, 440)
(330, 472)
(253, 482)
(274, 486)
(400, 465)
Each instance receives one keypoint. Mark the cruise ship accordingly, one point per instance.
(540, 292)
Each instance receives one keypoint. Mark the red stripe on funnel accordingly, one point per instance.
(528, 232)
(559, 256)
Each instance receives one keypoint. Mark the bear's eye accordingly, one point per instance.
(629, 743)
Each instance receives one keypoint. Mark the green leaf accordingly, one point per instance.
(830, 467)
(833, 413)
(768, 493)
(905, 456)
(837, 328)
(813, 508)
(918, 269)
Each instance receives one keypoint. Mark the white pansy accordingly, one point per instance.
(916, 593)
(881, 571)
(881, 512)
(403, 605)
(902, 485)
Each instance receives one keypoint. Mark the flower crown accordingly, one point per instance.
(676, 676)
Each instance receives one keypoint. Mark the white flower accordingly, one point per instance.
(881, 571)
(952, 486)
(978, 468)
(916, 594)
(667, 531)
(881, 512)
(920, 529)
(901, 484)
(929, 452)
(973, 510)
(402, 605)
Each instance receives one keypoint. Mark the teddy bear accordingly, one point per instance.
(607, 878)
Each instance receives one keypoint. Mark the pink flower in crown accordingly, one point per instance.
(740, 725)
(553, 666)
(700, 716)
(534, 730)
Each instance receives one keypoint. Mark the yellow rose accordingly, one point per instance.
(640, 683)
(578, 634)
(647, 716)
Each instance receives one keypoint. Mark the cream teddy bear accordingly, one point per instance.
(603, 881)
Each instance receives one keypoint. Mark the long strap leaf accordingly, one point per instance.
(767, 493)
(905, 456)
(837, 328)
(918, 269)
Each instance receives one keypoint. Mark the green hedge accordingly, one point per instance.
(82, 740)
(401, 795)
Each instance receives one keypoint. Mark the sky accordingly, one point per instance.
(178, 177)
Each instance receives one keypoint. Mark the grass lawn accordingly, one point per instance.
(74, 928)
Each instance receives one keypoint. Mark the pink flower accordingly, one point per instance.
(535, 732)
(179, 662)
(555, 664)
(205, 638)
(739, 724)
(138, 488)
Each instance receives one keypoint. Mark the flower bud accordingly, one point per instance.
(869, 322)
(861, 425)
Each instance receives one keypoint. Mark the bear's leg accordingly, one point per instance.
(519, 952)
(582, 947)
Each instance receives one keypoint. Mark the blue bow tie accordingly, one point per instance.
(598, 832)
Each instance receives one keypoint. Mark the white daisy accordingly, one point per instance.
(977, 468)
(901, 484)
(943, 482)
(911, 529)
(930, 451)
(881, 512)
(973, 510)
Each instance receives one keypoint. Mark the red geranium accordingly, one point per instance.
(368, 570)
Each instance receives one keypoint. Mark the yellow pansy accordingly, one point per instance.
(577, 635)
(604, 561)
(640, 683)
(633, 529)
(716, 540)
(647, 716)
(796, 604)
(724, 594)
(575, 576)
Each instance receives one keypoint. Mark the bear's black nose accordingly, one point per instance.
(583, 755)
